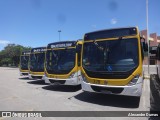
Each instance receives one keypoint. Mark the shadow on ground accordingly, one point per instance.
(62, 88)
(108, 100)
(24, 78)
(37, 82)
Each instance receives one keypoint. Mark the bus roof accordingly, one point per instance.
(110, 33)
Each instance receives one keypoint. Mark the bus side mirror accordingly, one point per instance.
(145, 46)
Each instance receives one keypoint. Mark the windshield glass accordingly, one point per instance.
(37, 62)
(24, 62)
(60, 61)
(111, 55)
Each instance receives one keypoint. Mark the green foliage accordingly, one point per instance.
(11, 54)
(6, 62)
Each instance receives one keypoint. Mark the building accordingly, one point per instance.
(154, 40)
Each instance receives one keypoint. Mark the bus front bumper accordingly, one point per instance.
(23, 73)
(55, 81)
(31, 76)
(134, 90)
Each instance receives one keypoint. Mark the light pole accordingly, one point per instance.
(147, 35)
(59, 31)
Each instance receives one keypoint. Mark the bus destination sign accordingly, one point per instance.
(38, 49)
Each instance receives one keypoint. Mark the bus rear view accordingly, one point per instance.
(63, 63)
(112, 62)
(24, 58)
(36, 63)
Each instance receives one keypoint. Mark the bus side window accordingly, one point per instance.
(78, 50)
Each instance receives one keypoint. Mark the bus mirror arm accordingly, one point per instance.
(145, 46)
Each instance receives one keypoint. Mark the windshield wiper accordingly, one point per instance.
(62, 55)
(106, 58)
(56, 58)
(105, 52)
(98, 46)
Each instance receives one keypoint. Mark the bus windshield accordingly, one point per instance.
(24, 62)
(60, 61)
(118, 55)
(37, 62)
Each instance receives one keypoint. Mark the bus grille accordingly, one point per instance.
(112, 90)
(36, 77)
(57, 81)
(24, 73)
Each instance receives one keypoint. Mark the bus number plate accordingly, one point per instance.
(106, 92)
(96, 82)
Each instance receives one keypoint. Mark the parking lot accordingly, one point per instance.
(18, 93)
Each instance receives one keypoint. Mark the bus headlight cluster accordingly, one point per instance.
(134, 81)
(72, 75)
(45, 73)
(84, 78)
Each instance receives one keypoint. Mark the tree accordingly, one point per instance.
(11, 54)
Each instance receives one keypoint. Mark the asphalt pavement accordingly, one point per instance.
(18, 93)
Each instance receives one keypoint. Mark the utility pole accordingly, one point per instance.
(147, 36)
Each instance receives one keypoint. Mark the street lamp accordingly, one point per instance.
(59, 34)
(147, 36)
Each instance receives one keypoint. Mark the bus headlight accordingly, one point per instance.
(134, 80)
(72, 75)
(84, 78)
(45, 73)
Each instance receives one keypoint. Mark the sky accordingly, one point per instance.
(36, 23)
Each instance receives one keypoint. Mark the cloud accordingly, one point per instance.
(113, 21)
(94, 26)
(4, 42)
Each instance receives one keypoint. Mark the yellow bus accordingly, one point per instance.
(155, 80)
(112, 62)
(23, 66)
(36, 63)
(155, 55)
(63, 63)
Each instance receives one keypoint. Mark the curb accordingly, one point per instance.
(146, 77)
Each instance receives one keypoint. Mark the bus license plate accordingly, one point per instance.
(96, 82)
(106, 91)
